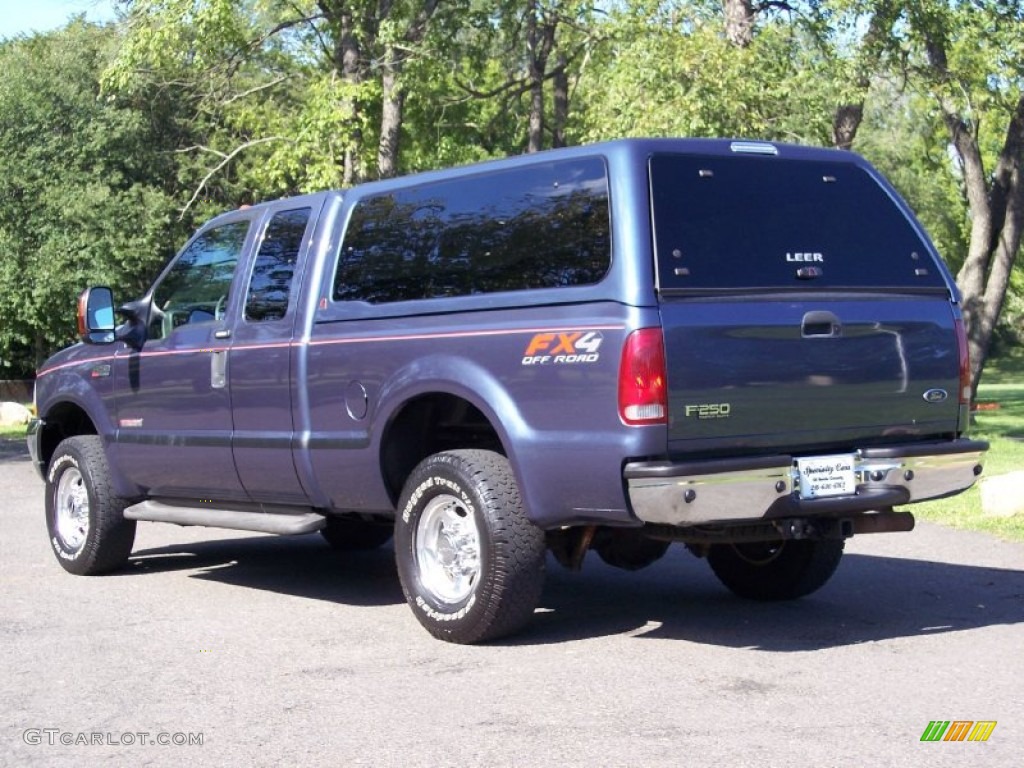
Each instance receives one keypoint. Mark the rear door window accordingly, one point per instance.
(765, 223)
(274, 269)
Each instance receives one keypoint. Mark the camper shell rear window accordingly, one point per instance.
(723, 223)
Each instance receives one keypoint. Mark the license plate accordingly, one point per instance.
(826, 476)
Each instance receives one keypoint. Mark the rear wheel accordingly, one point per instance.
(347, 534)
(470, 563)
(84, 518)
(776, 570)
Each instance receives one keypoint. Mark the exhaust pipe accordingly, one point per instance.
(882, 522)
(886, 521)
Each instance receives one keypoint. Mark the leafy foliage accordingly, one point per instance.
(85, 198)
(671, 72)
(114, 141)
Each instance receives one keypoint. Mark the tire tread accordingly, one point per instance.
(111, 536)
(512, 587)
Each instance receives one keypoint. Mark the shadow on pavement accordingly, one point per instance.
(870, 598)
(13, 449)
(304, 566)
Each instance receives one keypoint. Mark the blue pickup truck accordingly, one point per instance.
(748, 348)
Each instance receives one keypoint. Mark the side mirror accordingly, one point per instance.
(96, 316)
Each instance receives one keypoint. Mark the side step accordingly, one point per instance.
(284, 523)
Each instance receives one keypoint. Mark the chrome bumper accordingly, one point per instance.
(740, 490)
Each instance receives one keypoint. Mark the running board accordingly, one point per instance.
(283, 523)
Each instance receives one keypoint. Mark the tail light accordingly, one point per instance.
(643, 389)
(965, 363)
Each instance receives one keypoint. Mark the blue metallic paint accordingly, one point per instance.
(558, 424)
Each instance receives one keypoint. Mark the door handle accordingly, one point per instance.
(820, 323)
(219, 369)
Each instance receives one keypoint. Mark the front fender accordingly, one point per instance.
(72, 392)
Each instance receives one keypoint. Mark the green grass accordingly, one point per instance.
(1002, 383)
(12, 433)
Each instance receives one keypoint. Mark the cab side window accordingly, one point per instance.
(543, 226)
(195, 290)
(271, 282)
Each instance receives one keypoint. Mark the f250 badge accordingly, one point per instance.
(563, 348)
(709, 411)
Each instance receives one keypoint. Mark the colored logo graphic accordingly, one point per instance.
(563, 348)
(958, 730)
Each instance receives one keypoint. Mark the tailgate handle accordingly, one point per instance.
(820, 323)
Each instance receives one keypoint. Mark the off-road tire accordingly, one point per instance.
(780, 570)
(470, 563)
(93, 540)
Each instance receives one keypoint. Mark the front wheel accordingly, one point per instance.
(776, 570)
(470, 563)
(84, 518)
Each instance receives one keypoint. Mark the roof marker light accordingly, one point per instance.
(754, 148)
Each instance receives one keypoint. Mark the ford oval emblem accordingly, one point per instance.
(935, 395)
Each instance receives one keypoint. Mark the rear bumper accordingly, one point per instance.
(764, 488)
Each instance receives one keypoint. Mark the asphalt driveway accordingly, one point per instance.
(279, 651)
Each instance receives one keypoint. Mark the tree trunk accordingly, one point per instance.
(40, 349)
(391, 87)
(739, 22)
(848, 117)
(845, 124)
(391, 120)
(996, 205)
(347, 56)
(561, 102)
(997, 220)
(536, 65)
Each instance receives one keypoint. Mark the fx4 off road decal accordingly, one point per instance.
(563, 348)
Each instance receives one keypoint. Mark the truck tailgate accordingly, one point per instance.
(809, 372)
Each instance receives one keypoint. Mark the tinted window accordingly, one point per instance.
(539, 227)
(730, 222)
(195, 290)
(272, 273)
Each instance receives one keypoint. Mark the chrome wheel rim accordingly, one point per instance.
(71, 510)
(448, 550)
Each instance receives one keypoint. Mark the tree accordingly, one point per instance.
(505, 78)
(969, 59)
(808, 71)
(291, 95)
(902, 138)
(688, 69)
(85, 198)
